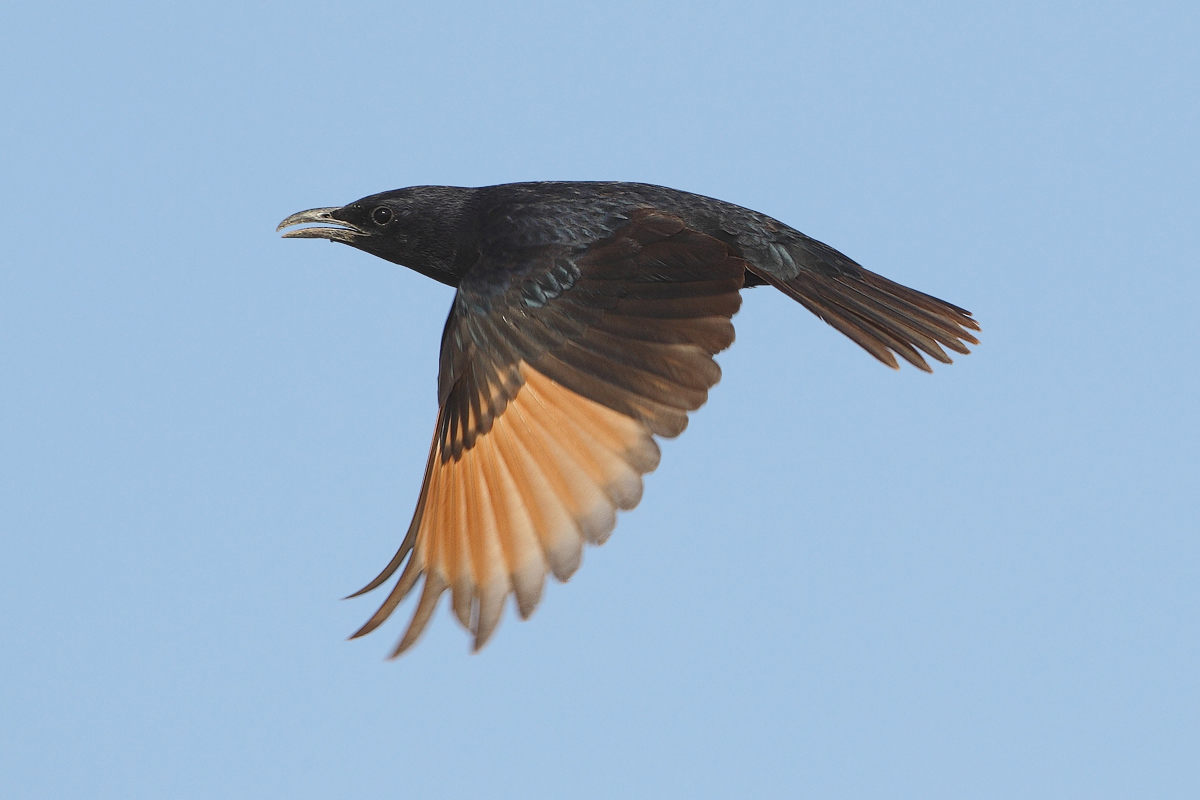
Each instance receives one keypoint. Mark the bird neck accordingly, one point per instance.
(434, 249)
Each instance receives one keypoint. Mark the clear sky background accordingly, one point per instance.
(843, 582)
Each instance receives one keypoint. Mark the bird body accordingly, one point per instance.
(585, 323)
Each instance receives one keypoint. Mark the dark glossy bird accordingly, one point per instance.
(585, 324)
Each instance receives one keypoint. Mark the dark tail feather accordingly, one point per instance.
(882, 317)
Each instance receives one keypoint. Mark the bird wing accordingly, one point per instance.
(558, 366)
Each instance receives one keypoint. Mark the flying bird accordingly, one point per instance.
(585, 324)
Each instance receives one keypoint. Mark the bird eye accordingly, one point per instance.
(382, 215)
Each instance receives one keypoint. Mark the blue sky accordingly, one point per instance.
(842, 582)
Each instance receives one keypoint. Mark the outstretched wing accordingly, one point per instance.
(558, 366)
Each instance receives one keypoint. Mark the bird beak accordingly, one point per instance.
(347, 233)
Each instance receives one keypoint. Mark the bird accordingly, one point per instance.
(584, 325)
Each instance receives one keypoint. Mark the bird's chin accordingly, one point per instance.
(346, 232)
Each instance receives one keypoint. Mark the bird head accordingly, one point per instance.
(415, 227)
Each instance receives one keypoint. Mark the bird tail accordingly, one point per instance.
(881, 316)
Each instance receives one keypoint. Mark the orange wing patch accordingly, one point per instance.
(548, 476)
